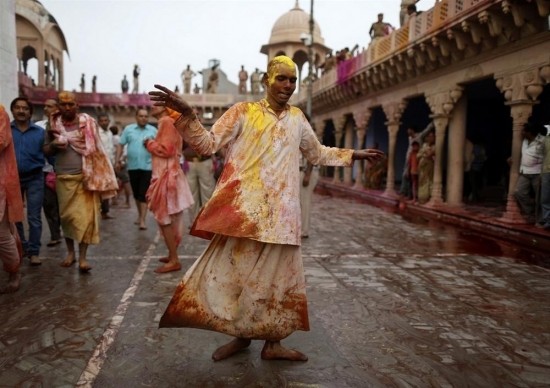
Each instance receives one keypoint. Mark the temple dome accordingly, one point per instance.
(291, 25)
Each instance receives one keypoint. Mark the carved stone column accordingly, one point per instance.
(362, 119)
(40, 56)
(441, 105)
(339, 124)
(349, 136)
(318, 127)
(393, 113)
(520, 91)
(455, 153)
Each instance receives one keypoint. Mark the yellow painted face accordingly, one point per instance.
(276, 65)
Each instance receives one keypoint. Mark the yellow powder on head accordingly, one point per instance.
(274, 65)
(66, 97)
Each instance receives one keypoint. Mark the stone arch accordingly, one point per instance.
(27, 53)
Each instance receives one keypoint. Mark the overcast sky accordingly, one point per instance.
(106, 38)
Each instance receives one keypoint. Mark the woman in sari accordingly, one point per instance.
(426, 162)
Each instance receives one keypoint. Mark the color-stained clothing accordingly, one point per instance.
(426, 165)
(106, 137)
(532, 153)
(249, 282)
(10, 191)
(80, 191)
(97, 171)
(78, 209)
(137, 156)
(243, 288)
(11, 203)
(169, 192)
(257, 195)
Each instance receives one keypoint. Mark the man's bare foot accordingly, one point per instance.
(13, 284)
(164, 259)
(84, 266)
(230, 349)
(168, 267)
(69, 260)
(273, 350)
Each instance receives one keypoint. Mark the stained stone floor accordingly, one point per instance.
(393, 302)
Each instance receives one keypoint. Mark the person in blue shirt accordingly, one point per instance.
(138, 160)
(28, 140)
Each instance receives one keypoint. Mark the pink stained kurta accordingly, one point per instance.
(257, 195)
(169, 192)
(249, 282)
(97, 170)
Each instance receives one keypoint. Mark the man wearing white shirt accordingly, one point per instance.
(106, 137)
(532, 153)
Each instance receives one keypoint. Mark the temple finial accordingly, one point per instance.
(297, 4)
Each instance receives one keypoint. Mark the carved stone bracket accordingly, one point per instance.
(545, 74)
(442, 103)
(524, 86)
(394, 111)
(362, 118)
(493, 21)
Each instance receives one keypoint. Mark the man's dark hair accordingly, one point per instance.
(102, 114)
(533, 129)
(31, 108)
(411, 7)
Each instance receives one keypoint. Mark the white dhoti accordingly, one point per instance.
(244, 288)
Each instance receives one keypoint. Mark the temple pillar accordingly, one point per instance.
(393, 113)
(520, 92)
(362, 119)
(348, 143)
(41, 62)
(441, 105)
(455, 153)
(339, 124)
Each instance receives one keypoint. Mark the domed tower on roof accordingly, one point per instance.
(288, 37)
(40, 44)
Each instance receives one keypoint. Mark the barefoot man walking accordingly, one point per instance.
(249, 282)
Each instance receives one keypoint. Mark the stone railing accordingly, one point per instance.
(419, 28)
(37, 95)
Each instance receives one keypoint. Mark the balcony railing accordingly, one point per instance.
(420, 27)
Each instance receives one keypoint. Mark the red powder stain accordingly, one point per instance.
(221, 216)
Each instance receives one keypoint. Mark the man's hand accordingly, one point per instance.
(369, 154)
(60, 143)
(169, 99)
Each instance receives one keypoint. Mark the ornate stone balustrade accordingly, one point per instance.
(450, 32)
(37, 95)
